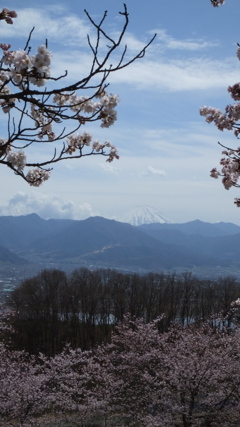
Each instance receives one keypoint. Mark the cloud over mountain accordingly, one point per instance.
(46, 207)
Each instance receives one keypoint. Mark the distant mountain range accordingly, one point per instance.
(100, 242)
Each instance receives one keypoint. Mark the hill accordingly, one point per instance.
(100, 242)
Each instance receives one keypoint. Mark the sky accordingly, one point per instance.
(166, 148)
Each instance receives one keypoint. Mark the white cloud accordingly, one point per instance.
(54, 24)
(107, 167)
(160, 74)
(156, 72)
(153, 171)
(169, 42)
(169, 75)
(135, 45)
(46, 207)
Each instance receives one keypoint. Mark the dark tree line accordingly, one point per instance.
(52, 309)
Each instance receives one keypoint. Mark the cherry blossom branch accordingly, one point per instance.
(228, 120)
(34, 114)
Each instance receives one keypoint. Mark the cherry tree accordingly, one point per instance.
(185, 377)
(227, 120)
(36, 390)
(22, 388)
(41, 108)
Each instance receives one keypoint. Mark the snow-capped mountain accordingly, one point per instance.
(144, 215)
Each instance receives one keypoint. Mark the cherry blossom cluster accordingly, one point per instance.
(104, 107)
(230, 171)
(35, 177)
(113, 153)
(217, 3)
(7, 15)
(43, 123)
(221, 120)
(235, 91)
(17, 159)
(23, 68)
(78, 141)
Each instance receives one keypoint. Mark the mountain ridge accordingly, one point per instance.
(107, 243)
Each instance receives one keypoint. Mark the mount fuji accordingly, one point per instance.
(144, 215)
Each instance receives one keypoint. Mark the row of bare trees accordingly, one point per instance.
(82, 308)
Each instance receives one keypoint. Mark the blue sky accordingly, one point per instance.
(166, 149)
